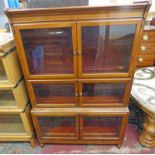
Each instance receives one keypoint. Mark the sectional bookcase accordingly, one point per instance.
(78, 62)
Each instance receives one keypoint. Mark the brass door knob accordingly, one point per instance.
(80, 94)
(143, 48)
(145, 37)
(140, 60)
(76, 94)
(79, 52)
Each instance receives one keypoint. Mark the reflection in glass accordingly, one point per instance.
(61, 127)
(102, 93)
(11, 124)
(55, 93)
(49, 51)
(107, 48)
(101, 127)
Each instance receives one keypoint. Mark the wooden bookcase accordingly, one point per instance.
(15, 118)
(78, 63)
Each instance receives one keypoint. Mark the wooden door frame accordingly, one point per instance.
(43, 105)
(46, 114)
(135, 50)
(124, 117)
(22, 54)
(126, 96)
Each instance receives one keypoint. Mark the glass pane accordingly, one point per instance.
(11, 124)
(49, 51)
(2, 72)
(103, 93)
(58, 127)
(7, 98)
(55, 93)
(107, 48)
(101, 127)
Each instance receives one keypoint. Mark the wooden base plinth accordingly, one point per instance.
(147, 137)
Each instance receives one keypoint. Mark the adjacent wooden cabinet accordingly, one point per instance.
(10, 70)
(147, 49)
(15, 117)
(78, 63)
(16, 126)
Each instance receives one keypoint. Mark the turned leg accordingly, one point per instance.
(32, 141)
(147, 137)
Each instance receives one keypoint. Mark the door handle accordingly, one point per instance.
(80, 94)
(76, 94)
(79, 53)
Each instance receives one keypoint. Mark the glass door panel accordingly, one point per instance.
(101, 127)
(58, 127)
(49, 51)
(2, 72)
(11, 124)
(55, 93)
(101, 94)
(7, 98)
(106, 48)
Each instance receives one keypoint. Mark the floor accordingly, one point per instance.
(130, 145)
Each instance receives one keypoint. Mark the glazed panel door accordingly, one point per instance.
(56, 126)
(106, 48)
(47, 50)
(53, 93)
(104, 92)
(102, 126)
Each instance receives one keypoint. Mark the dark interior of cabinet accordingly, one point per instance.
(58, 93)
(49, 51)
(101, 127)
(107, 48)
(58, 127)
(103, 93)
(104, 49)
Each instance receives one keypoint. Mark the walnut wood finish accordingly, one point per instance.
(146, 60)
(96, 63)
(95, 132)
(46, 93)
